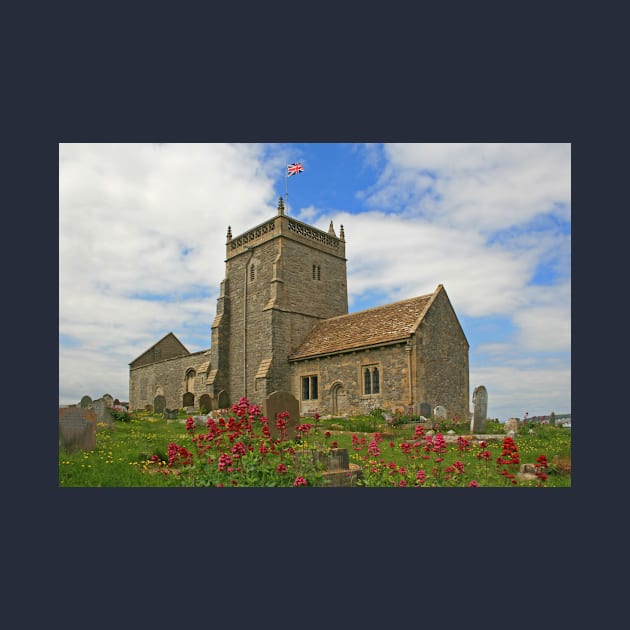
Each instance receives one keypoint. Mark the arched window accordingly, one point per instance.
(367, 381)
(371, 379)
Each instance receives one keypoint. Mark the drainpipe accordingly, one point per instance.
(251, 253)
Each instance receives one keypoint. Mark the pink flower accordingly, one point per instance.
(299, 481)
(473, 484)
(281, 468)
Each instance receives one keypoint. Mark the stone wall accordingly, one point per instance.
(342, 374)
(271, 271)
(167, 378)
(441, 360)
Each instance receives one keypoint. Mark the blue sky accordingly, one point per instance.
(142, 242)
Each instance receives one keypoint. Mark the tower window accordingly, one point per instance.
(252, 272)
(317, 272)
(309, 388)
(371, 379)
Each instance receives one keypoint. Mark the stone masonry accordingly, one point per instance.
(282, 324)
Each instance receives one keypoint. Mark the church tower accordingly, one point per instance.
(282, 278)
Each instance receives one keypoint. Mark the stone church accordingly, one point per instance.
(282, 324)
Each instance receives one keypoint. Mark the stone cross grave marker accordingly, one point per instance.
(77, 429)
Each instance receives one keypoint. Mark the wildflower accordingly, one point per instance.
(281, 468)
(224, 461)
(473, 484)
(373, 449)
(421, 476)
(299, 481)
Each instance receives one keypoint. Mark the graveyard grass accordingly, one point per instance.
(237, 450)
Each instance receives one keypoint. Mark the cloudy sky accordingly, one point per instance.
(142, 232)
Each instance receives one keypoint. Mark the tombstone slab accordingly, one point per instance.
(511, 426)
(103, 412)
(77, 429)
(480, 410)
(86, 402)
(282, 401)
(439, 412)
(159, 403)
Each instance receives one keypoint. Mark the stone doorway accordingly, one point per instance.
(338, 398)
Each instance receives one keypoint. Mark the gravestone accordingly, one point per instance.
(282, 401)
(170, 414)
(77, 429)
(425, 409)
(511, 426)
(480, 410)
(188, 399)
(86, 402)
(109, 400)
(223, 402)
(103, 412)
(200, 421)
(439, 412)
(205, 402)
(159, 404)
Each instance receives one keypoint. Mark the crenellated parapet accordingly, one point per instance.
(285, 226)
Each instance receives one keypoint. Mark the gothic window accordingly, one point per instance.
(317, 272)
(309, 388)
(371, 379)
(252, 272)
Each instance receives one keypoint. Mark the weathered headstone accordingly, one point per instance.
(282, 401)
(200, 421)
(511, 426)
(205, 402)
(109, 400)
(223, 401)
(103, 412)
(480, 409)
(86, 402)
(159, 404)
(77, 429)
(425, 409)
(170, 414)
(439, 412)
(188, 399)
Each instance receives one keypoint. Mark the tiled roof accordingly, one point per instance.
(374, 326)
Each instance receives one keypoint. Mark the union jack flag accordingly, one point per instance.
(294, 169)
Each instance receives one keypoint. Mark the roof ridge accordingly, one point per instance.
(380, 306)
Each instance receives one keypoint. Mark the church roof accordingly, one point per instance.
(371, 327)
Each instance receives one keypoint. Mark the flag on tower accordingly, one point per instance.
(294, 169)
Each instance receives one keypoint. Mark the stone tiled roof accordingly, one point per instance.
(371, 327)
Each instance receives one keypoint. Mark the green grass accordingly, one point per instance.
(132, 454)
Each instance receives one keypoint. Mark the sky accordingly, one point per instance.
(142, 232)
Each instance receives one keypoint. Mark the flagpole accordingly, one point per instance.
(287, 191)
